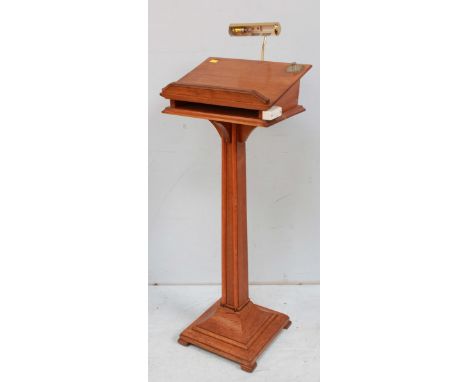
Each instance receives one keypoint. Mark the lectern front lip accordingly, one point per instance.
(216, 95)
(255, 93)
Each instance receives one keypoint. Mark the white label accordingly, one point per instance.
(272, 113)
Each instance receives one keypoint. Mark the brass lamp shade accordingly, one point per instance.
(255, 29)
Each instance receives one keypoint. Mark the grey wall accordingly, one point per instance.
(184, 153)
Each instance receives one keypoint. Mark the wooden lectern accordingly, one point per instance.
(233, 94)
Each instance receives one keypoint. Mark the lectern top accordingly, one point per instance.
(237, 83)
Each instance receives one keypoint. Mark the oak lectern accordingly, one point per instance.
(236, 96)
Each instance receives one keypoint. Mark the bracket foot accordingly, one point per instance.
(249, 367)
(182, 342)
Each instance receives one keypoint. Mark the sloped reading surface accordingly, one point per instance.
(248, 84)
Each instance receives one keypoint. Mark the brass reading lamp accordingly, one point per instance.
(256, 29)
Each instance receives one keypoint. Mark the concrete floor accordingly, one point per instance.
(293, 356)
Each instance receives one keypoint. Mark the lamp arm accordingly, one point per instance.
(263, 48)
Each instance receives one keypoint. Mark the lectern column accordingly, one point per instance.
(235, 293)
(235, 290)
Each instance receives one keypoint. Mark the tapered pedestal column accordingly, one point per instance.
(234, 327)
